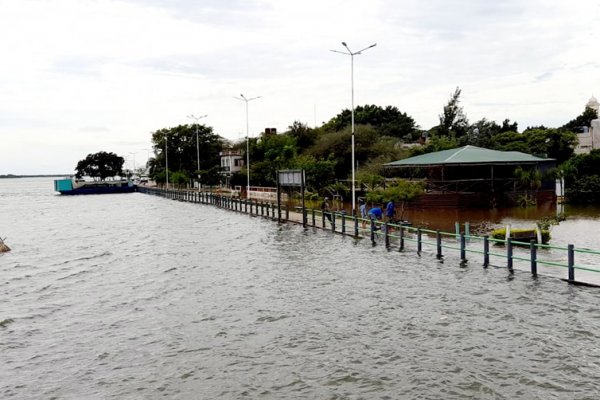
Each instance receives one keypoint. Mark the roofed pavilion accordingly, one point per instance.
(475, 175)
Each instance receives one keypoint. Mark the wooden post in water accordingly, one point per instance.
(533, 252)
(313, 217)
(463, 249)
(419, 242)
(438, 239)
(486, 251)
(571, 262)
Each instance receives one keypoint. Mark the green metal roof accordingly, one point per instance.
(468, 155)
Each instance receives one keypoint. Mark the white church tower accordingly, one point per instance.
(591, 139)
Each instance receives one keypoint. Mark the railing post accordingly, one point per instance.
(401, 248)
(314, 222)
(419, 242)
(463, 249)
(387, 235)
(571, 262)
(323, 218)
(373, 231)
(343, 223)
(486, 251)
(287, 212)
(332, 221)
(355, 226)
(509, 254)
(438, 239)
(533, 251)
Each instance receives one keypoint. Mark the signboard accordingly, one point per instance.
(290, 177)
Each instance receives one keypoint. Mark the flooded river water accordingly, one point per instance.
(136, 296)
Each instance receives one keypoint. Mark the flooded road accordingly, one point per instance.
(136, 296)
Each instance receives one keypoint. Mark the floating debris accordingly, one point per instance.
(5, 322)
(3, 248)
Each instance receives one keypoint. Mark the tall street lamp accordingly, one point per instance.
(243, 98)
(352, 54)
(167, 160)
(197, 142)
(133, 158)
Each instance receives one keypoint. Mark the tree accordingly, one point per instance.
(100, 165)
(388, 121)
(583, 120)
(183, 149)
(453, 121)
(553, 143)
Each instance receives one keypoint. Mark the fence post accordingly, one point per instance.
(509, 254)
(355, 226)
(533, 251)
(486, 251)
(419, 244)
(372, 231)
(571, 262)
(313, 217)
(438, 239)
(332, 221)
(401, 238)
(343, 224)
(463, 249)
(457, 230)
(323, 218)
(387, 235)
(287, 212)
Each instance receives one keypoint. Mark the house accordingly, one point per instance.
(231, 162)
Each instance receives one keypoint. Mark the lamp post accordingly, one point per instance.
(243, 98)
(167, 160)
(352, 54)
(133, 159)
(197, 142)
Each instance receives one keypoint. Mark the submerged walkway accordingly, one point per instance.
(556, 261)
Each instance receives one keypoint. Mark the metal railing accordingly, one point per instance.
(400, 235)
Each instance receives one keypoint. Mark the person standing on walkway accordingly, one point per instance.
(390, 210)
(363, 212)
(325, 208)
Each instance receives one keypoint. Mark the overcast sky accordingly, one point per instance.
(81, 76)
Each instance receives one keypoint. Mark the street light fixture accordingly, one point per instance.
(243, 98)
(167, 159)
(133, 157)
(352, 54)
(197, 142)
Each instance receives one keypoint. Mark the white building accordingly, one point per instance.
(590, 138)
(231, 162)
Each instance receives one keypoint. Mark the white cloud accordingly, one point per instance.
(79, 76)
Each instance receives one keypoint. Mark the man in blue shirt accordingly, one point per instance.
(375, 214)
(389, 211)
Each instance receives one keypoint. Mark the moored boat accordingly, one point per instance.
(79, 186)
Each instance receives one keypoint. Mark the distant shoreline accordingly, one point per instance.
(33, 176)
